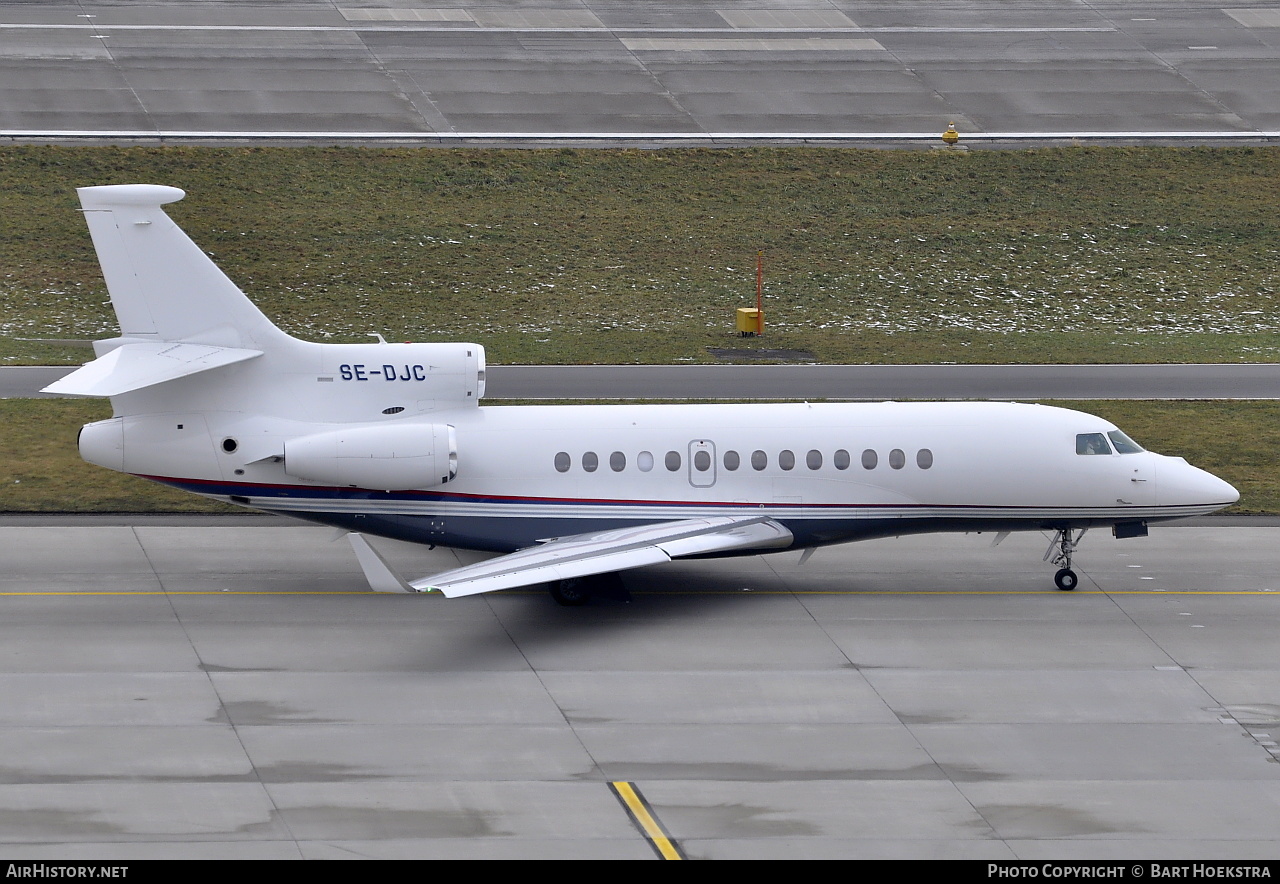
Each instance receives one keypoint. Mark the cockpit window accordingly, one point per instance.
(1092, 443)
(1123, 444)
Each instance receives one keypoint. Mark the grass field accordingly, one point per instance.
(601, 256)
(583, 256)
(40, 470)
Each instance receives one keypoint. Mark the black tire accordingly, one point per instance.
(1066, 580)
(571, 593)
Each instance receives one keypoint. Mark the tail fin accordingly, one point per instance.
(163, 287)
(179, 314)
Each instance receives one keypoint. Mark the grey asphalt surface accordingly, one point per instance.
(864, 382)
(231, 690)
(1024, 70)
(1256, 381)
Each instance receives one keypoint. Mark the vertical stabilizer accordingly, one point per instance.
(163, 287)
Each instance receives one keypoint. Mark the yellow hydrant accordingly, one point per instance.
(951, 136)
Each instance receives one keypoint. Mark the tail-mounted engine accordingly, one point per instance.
(394, 458)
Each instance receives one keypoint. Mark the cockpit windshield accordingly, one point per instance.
(1092, 443)
(1123, 444)
(1096, 443)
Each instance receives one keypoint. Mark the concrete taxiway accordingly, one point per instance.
(1023, 71)
(228, 688)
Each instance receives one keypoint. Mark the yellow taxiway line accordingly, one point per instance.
(642, 815)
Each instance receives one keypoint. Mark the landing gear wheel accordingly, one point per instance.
(1061, 548)
(571, 593)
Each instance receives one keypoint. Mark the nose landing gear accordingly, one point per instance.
(1064, 544)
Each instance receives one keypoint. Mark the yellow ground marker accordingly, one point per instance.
(642, 815)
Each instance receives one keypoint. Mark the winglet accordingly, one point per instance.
(380, 575)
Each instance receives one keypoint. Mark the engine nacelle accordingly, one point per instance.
(396, 458)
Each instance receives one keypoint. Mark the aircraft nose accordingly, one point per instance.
(1181, 484)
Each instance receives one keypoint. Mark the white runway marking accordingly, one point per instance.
(630, 137)
(746, 44)
(411, 26)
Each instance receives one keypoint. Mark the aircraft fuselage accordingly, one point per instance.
(830, 472)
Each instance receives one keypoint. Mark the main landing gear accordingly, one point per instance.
(1066, 579)
(577, 591)
(571, 593)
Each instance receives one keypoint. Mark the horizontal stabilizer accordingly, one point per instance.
(144, 364)
(582, 555)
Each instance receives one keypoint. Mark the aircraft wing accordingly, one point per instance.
(581, 555)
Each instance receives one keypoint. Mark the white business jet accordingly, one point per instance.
(390, 439)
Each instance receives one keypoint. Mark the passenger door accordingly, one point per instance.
(702, 463)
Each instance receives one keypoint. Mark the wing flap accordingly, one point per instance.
(143, 364)
(595, 553)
